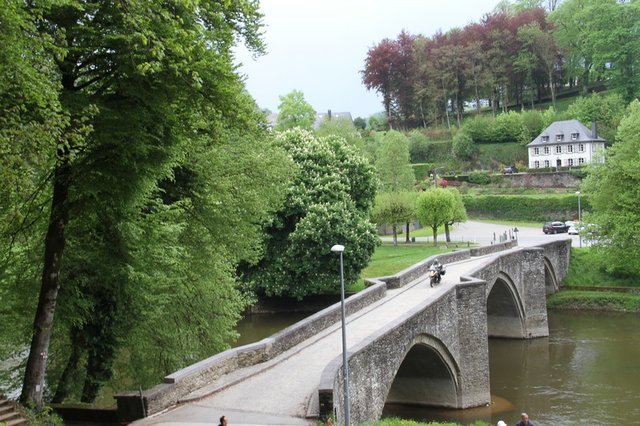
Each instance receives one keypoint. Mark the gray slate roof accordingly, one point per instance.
(566, 128)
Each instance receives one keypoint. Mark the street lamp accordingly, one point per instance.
(345, 367)
(579, 219)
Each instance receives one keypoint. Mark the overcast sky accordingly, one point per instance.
(319, 47)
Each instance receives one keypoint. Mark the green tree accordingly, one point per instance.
(295, 111)
(457, 214)
(433, 208)
(393, 163)
(606, 110)
(341, 127)
(327, 203)
(394, 208)
(140, 86)
(614, 193)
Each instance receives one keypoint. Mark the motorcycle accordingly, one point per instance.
(435, 274)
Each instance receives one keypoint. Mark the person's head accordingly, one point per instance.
(223, 421)
(525, 418)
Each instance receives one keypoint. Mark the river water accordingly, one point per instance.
(586, 372)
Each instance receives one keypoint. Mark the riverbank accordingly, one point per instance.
(588, 287)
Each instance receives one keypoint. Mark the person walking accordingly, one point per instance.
(524, 420)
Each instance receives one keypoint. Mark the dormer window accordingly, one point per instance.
(574, 136)
(559, 138)
(545, 139)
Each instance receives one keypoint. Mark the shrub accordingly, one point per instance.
(533, 122)
(481, 129)
(522, 207)
(463, 146)
(510, 128)
(479, 178)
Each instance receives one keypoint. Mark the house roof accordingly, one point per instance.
(566, 128)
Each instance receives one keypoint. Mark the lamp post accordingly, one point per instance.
(345, 367)
(579, 220)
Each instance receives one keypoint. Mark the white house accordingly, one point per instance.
(565, 144)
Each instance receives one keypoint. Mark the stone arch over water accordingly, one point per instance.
(505, 312)
(550, 279)
(427, 376)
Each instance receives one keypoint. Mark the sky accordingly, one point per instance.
(319, 47)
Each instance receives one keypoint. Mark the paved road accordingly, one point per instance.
(279, 391)
(484, 233)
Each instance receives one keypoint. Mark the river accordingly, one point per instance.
(586, 372)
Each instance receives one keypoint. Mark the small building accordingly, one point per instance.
(566, 143)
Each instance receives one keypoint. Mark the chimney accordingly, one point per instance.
(594, 130)
(329, 114)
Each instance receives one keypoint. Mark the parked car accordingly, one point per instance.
(509, 169)
(554, 227)
(573, 230)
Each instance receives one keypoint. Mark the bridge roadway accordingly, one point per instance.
(284, 390)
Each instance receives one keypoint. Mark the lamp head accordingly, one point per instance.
(337, 248)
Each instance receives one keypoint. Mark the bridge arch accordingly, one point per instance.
(505, 310)
(550, 279)
(427, 376)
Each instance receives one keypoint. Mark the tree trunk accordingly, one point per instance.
(64, 384)
(395, 235)
(553, 89)
(446, 232)
(33, 385)
(407, 240)
(435, 235)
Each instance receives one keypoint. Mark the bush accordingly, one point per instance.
(522, 207)
(510, 128)
(463, 146)
(479, 178)
(533, 122)
(481, 129)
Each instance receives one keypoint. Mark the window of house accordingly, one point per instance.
(570, 162)
(559, 138)
(546, 149)
(580, 160)
(559, 149)
(536, 151)
(574, 136)
(536, 164)
(569, 148)
(546, 163)
(545, 139)
(581, 147)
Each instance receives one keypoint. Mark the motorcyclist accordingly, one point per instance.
(438, 269)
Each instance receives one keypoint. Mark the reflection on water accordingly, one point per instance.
(587, 371)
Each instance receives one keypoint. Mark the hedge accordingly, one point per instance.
(525, 207)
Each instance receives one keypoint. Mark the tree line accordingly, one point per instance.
(518, 54)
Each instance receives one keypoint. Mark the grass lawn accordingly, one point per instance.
(388, 260)
(584, 270)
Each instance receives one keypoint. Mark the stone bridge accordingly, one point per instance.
(407, 344)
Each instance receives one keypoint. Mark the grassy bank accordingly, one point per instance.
(609, 294)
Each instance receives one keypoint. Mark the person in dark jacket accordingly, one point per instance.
(524, 420)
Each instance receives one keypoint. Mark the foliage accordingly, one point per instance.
(360, 123)
(435, 208)
(392, 162)
(327, 203)
(479, 178)
(295, 111)
(341, 127)
(481, 129)
(394, 208)
(525, 207)
(463, 146)
(533, 122)
(605, 110)
(586, 269)
(595, 300)
(617, 212)
(150, 157)
(510, 128)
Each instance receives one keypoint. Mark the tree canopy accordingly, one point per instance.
(614, 193)
(327, 203)
(295, 111)
(138, 177)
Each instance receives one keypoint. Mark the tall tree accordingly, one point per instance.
(135, 81)
(327, 203)
(295, 111)
(394, 208)
(433, 208)
(393, 163)
(617, 212)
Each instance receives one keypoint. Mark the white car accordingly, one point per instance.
(573, 230)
